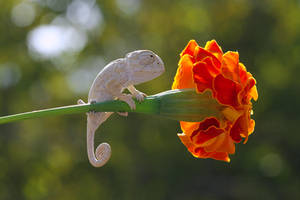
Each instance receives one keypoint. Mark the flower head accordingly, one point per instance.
(208, 69)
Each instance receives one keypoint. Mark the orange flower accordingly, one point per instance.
(231, 85)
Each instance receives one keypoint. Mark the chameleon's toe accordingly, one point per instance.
(131, 103)
(140, 96)
(128, 99)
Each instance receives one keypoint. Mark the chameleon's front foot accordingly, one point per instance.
(139, 96)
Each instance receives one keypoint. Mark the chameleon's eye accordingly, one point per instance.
(147, 59)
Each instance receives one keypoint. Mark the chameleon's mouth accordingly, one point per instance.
(157, 71)
(160, 72)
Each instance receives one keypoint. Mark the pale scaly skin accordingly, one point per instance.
(137, 67)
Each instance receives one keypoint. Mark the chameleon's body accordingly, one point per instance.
(137, 67)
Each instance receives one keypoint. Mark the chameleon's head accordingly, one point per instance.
(144, 65)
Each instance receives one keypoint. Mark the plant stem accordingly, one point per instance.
(149, 106)
(181, 105)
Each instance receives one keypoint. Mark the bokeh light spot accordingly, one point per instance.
(56, 5)
(128, 7)
(23, 14)
(49, 41)
(85, 14)
(9, 75)
(271, 165)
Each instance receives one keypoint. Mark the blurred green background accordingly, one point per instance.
(50, 52)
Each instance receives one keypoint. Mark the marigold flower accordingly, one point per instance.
(208, 69)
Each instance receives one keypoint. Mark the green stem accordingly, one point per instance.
(150, 105)
(181, 105)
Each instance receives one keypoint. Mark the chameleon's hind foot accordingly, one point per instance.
(81, 102)
(128, 99)
(124, 114)
(92, 111)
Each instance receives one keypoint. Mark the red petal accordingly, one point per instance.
(213, 47)
(213, 70)
(204, 125)
(201, 153)
(226, 90)
(243, 74)
(203, 136)
(230, 67)
(190, 48)
(204, 72)
(202, 77)
(240, 127)
(201, 53)
(245, 95)
(208, 129)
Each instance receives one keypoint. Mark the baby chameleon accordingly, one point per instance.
(137, 67)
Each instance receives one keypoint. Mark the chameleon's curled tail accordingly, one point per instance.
(103, 151)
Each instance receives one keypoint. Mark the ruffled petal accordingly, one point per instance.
(183, 78)
(202, 77)
(251, 126)
(189, 127)
(186, 141)
(190, 48)
(222, 143)
(201, 153)
(247, 93)
(192, 128)
(213, 47)
(208, 122)
(240, 128)
(230, 66)
(244, 75)
(231, 114)
(204, 138)
(253, 93)
(204, 73)
(226, 90)
(200, 53)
